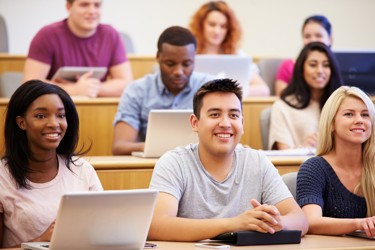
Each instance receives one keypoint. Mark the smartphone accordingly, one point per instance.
(149, 245)
(213, 245)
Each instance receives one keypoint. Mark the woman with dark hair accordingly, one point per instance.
(218, 31)
(40, 163)
(316, 28)
(295, 117)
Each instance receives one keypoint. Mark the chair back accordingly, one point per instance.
(290, 180)
(128, 43)
(264, 123)
(9, 82)
(268, 68)
(3, 36)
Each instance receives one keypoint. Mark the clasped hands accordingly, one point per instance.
(262, 218)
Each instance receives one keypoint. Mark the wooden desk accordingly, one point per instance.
(311, 242)
(129, 172)
(141, 64)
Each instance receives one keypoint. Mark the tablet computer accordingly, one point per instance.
(71, 73)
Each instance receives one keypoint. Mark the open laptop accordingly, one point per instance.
(236, 67)
(118, 219)
(166, 130)
(358, 68)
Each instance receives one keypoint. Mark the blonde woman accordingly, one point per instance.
(336, 189)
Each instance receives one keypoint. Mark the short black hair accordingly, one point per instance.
(176, 35)
(224, 85)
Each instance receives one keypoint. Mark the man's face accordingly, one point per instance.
(176, 65)
(84, 16)
(220, 125)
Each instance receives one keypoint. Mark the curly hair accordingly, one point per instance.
(233, 37)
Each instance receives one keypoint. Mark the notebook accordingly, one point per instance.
(118, 219)
(236, 67)
(247, 238)
(166, 130)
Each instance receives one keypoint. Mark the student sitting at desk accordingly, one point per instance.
(336, 189)
(218, 185)
(40, 163)
(218, 31)
(171, 87)
(295, 117)
(80, 40)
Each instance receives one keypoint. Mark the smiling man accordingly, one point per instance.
(171, 87)
(80, 40)
(218, 185)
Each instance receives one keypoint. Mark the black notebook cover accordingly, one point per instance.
(247, 238)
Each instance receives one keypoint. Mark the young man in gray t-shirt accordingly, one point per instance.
(218, 186)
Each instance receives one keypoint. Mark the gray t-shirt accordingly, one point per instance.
(181, 174)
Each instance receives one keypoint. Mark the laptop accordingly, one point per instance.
(361, 234)
(118, 219)
(236, 67)
(358, 68)
(166, 130)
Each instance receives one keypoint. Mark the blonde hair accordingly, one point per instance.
(326, 143)
(233, 37)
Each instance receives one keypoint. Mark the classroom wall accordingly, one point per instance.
(271, 27)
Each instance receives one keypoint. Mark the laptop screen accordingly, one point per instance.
(116, 219)
(236, 67)
(358, 69)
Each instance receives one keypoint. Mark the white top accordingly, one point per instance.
(29, 212)
(291, 126)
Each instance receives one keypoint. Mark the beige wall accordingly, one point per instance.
(271, 27)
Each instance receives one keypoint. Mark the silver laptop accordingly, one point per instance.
(118, 219)
(361, 234)
(236, 67)
(166, 130)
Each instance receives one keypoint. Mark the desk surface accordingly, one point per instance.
(124, 162)
(311, 242)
